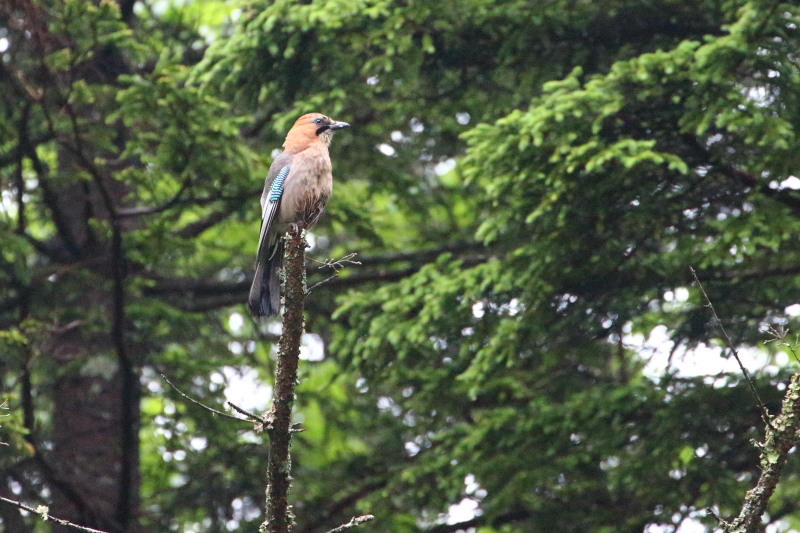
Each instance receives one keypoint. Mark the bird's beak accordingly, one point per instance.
(339, 125)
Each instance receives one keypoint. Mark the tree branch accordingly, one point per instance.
(774, 452)
(204, 406)
(152, 210)
(478, 521)
(748, 378)
(193, 229)
(43, 512)
(237, 289)
(343, 503)
(354, 522)
(780, 437)
(279, 515)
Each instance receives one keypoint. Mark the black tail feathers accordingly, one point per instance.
(265, 292)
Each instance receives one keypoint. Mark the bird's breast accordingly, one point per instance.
(307, 187)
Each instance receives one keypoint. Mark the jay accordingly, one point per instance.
(297, 187)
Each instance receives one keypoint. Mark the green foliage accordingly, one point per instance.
(524, 181)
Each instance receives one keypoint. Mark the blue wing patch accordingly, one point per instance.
(276, 190)
(271, 209)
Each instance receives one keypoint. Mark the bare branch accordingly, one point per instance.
(138, 211)
(341, 504)
(780, 437)
(43, 512)
(354, 522)
(764, 414)
(336, 265)
(248, 414)
(220, 413)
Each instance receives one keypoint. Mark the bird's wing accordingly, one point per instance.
(274, 169)
(271, 201)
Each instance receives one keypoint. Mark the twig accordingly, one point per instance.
(778, 334)
(323, 282)
(43, 511)
(342, 503)
(336, 265)
(716, 517)
(220, 413)
(354, 522)
(248, 414)
(748, 378)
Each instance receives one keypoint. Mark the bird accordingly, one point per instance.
(298, 185)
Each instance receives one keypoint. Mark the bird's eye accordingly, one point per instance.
(317, 121)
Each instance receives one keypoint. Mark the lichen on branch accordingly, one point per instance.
(279, 515)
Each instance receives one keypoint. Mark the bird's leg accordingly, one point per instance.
(297, 232)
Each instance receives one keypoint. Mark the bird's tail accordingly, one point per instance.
(265, 292)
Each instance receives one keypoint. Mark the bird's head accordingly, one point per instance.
(311, 128)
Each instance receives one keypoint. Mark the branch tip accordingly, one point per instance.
(354, 522)
(750, 382)
(204, 406)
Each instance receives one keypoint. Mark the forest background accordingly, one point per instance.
(525, 184)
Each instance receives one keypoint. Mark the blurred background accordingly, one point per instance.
(521, 347)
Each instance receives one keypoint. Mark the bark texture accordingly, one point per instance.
(279, 515)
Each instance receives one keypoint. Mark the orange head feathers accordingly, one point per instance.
(309, 129)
